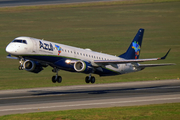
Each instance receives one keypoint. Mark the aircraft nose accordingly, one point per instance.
(10, 49)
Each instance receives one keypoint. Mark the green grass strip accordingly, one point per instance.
(169, 111)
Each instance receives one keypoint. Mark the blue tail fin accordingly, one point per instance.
(133, 51)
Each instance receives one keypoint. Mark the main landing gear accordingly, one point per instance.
(89, 79)
(56, 78)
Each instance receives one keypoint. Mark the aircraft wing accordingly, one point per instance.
(106, 62)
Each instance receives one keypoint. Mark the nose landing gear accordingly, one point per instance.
(21, 62)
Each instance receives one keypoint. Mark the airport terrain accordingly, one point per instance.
(89, 96)
(108, 28)
(102, 27)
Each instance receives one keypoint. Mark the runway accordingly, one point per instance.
(89, 96)
(11, 3)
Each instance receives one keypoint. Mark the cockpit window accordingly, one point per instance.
(20, 41)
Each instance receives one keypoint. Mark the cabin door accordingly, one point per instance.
(35, 44)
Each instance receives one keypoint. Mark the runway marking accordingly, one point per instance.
(88, 104)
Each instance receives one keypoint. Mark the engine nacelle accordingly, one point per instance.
(32, 66)
(85, 67)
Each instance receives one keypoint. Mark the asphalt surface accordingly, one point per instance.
(89, 96)
(8, 3)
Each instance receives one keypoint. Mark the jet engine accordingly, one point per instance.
(32, 66)
(82, 66)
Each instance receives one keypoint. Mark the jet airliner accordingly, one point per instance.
(35, 54)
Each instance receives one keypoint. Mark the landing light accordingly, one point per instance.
(68, 61)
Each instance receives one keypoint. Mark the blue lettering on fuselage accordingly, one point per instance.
(45, 46)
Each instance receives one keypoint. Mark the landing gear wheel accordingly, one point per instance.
(20, 68)
(93, 79)
(59, 79)
(54, 79)
(87, 79)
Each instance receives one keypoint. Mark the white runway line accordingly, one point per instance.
(88, 104)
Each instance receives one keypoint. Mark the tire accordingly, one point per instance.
(93, 79)
(59, 79)
(54, 79)
(20, 68)
(87, 79)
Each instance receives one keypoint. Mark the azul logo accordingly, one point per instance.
(137, 48)
(59, 49)
(45, 46)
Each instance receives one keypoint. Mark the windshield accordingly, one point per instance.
(20, 41)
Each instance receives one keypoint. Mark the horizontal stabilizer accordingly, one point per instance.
(154, 65)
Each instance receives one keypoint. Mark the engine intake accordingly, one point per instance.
(81, 66)
(32, 66)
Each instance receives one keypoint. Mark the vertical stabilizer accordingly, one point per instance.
(133, 51)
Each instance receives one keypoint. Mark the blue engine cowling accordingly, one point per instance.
(82, 66)
(32, 66)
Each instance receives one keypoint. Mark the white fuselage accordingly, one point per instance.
(37, 47)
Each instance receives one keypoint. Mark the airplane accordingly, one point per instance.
(35, 54)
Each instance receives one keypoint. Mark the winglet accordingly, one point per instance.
(164, 57)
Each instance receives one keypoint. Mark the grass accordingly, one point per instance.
(169, 111)
(108, 27)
